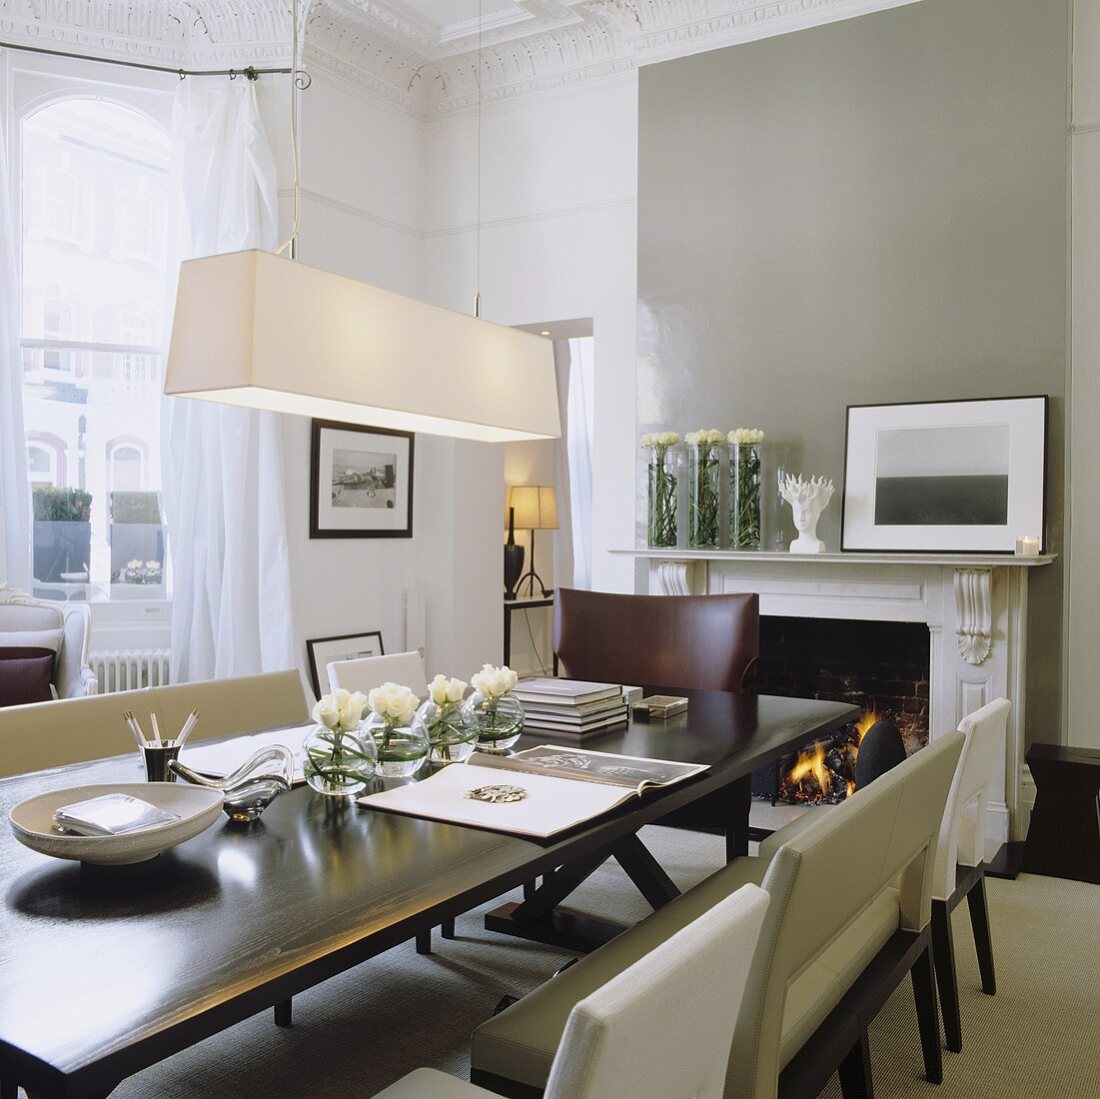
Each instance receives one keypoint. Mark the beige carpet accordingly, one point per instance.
(1038, 1037)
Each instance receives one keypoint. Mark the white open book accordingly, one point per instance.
(562, 787)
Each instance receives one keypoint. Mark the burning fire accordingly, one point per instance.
(826, 770)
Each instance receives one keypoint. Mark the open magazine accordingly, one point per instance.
(541, 791)
(583, 764)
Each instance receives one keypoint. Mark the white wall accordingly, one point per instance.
(365, 179)
(358, 218)
(558, 240)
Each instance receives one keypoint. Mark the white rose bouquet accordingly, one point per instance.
(333, 758)
(746, 436)
(450, 732)
(745, 487)
(499, 716)
(661, 438)
(703, 487)
(446, 692)
(401, 748)
(707, 436)
(393, 703)
(661, 476)
(494, 683)
(340, 711)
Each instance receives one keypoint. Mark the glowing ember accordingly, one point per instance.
(825, 771)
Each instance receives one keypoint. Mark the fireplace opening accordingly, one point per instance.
(882, 667)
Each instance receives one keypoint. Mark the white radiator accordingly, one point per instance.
(129, 669)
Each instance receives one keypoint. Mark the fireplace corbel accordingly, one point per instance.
(974, 613)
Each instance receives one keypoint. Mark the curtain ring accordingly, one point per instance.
(232, 74)
(182, 75)
(251, 73)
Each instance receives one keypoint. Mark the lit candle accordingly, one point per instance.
(1027, 547)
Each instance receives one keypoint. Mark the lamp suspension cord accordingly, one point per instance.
(296, 86)
(477, 262)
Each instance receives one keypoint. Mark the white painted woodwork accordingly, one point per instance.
(975, 608)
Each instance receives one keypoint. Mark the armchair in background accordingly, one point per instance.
(40, 626)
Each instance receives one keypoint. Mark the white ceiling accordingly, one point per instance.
(420, 55)
(445, 28)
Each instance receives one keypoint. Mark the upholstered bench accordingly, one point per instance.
(850, 911)
(48, 734)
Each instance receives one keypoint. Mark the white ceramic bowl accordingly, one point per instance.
(198, 807)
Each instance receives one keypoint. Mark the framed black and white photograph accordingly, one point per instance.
(350, 646)
(945, 476)
(361, 482)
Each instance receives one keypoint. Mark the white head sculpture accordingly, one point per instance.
(808, 499)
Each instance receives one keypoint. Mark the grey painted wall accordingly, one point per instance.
(870, 211)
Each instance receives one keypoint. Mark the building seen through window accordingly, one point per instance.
(94, 196)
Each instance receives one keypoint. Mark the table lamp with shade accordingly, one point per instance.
(533, 507)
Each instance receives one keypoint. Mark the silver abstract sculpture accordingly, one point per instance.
(252, 786)
(808, 499)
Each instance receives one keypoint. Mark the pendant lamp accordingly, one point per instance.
(262, 331)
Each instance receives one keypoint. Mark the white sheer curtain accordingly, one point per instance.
(15, 505)
(223, 466)
(573, 546)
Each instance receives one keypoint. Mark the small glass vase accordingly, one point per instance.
(402, 749)
(703, 495)
(338, 762)
(499, 721)
(744, 496)
(451, 733)
(661, 499)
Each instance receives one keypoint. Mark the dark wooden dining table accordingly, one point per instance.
(107, 970)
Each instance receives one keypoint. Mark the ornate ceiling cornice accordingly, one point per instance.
(387, 49)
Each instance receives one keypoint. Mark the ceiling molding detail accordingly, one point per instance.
(388, 49)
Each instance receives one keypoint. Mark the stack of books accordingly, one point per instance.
(571, 707)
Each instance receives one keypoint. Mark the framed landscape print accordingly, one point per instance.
(350, 646)
(946, 476)
(361, 482)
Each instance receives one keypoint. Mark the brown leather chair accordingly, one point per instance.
(680, 641)
(707, 642)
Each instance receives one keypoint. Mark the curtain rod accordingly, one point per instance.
(250, 71)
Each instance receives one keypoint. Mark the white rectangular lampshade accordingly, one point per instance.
(254, 329)
(536, 507)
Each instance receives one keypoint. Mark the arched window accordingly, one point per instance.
(93, 219)
(125, 466)
(45, 459)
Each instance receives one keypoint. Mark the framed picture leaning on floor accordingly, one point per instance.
(349, 646)
(361, 481)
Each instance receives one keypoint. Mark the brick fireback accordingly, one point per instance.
(883, 665)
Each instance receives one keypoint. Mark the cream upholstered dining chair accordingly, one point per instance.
(660, 1027)
(369, 672)
(960, 859)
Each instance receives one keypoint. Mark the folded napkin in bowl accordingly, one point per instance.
(110, 815)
